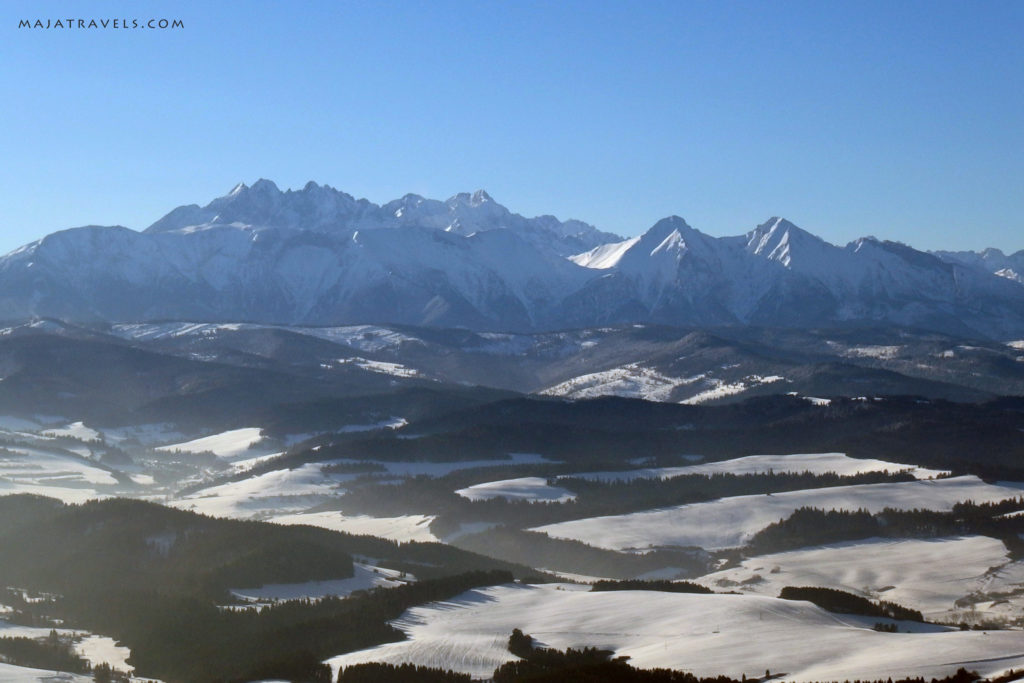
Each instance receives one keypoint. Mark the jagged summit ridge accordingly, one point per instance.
(318, 256)
(321, 208)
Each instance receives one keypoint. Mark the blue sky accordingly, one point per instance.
(904, 120)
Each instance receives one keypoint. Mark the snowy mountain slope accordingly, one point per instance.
(779, 274)
(318, 256)
(1009, 266)
(491, 279)
(321, 208)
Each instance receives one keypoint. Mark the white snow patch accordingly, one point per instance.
(533, 489)
(730, 522)
(381, 367)
(604, 256)
(102, 649)
(229, 444)
(873, 351)
(630, 381)
(271, 493)
(75, 430)
(402, 529)
(719, 389)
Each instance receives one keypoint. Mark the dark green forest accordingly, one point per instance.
(153, 579)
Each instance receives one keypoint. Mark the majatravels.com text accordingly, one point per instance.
(101, 23)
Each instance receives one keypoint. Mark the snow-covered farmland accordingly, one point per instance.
(948, 579)
(401, 529)
(71, 479)
(729, 522)
(705, 634)
(100, 649)
(229, 444)
(534, 489)
(96, 649)
(264, 495)
(816, 463)
(23, 674)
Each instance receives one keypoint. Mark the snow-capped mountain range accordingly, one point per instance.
(318, 256)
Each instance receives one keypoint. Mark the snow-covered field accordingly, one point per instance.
(23, 674)
(816, 463)
(630, 381)
(535, 489)
(729, 522)
(96, 649)
(229, 444)
(365, 577)
(71, 479)
(948, 579)
(264, 495)
(704, 634)
(401, 529)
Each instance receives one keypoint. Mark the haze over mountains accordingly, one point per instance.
(318, 256)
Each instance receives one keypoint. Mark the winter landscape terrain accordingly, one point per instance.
(290, 433)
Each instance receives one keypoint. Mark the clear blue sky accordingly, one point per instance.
(900, 119)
